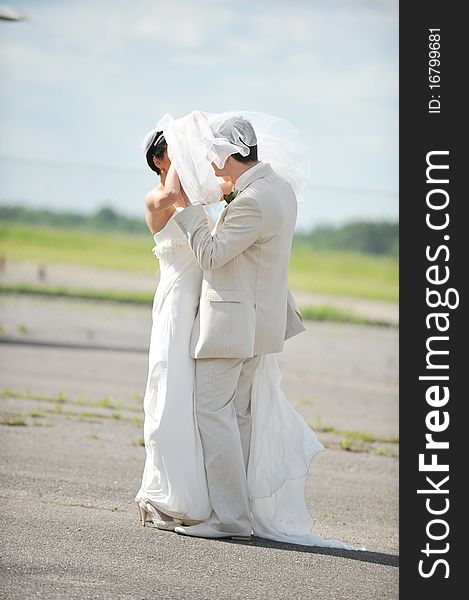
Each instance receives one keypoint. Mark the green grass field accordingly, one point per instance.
(342, 273)
(78, 247)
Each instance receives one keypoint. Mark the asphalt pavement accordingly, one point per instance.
(72, 376)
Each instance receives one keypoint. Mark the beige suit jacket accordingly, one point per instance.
(246, 308)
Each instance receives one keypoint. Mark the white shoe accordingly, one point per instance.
(148, 512)
(205, 531)
(142, 511)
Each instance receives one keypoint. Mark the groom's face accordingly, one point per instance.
(221, 172)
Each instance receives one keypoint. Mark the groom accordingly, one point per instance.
(243, 313)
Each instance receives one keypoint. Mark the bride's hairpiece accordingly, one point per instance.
(154, 144)
(158, 139)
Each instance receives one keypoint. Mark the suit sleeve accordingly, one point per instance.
(294, 324)
(241, 228)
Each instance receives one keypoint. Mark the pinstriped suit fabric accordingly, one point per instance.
(245, 310)
(244, 301)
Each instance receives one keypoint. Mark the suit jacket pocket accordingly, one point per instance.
(227, 325)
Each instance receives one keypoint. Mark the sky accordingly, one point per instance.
(82, 81)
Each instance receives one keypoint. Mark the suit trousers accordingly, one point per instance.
(223, 404)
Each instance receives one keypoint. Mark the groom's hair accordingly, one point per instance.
(157, 149)
(251, 157)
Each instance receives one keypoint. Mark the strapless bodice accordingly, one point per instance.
(172, 248)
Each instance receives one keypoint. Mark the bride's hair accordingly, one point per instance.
(156, 149)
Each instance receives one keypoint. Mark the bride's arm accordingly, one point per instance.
(183, 200)
(165, 195)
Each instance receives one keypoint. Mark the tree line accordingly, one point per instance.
(368, 237)
(104, 219)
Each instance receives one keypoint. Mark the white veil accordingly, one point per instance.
(200, 138)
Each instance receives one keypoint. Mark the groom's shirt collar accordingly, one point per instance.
(250, 175)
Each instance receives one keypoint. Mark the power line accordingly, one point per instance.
(60, 164)
(57, 164)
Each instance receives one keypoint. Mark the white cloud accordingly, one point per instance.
(109, 25)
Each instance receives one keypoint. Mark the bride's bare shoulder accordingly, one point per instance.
(157, 220)
(153, 194)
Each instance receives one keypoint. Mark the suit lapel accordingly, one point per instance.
(264, 170)
(246, 179)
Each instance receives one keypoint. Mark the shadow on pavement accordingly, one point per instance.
(379, 558)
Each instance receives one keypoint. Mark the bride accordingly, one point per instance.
(174, 490)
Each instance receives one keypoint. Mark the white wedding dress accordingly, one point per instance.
(282, 444)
